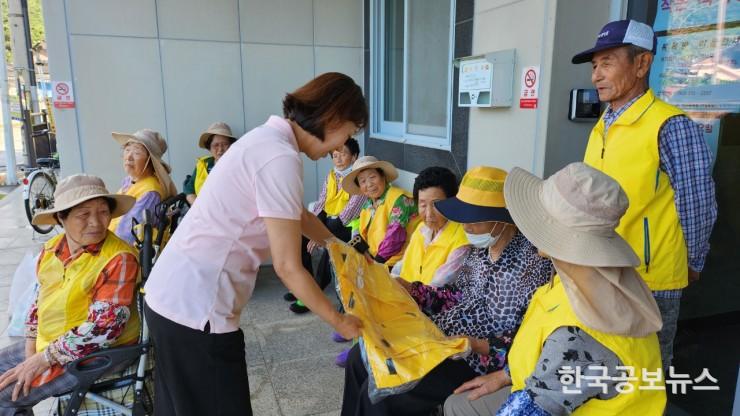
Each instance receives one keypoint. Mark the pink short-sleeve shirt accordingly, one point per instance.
(207, 271)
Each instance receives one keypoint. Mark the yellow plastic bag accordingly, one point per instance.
(401, 344)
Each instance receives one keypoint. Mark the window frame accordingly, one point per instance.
(395, 131)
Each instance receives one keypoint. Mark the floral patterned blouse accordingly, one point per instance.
(487, 299)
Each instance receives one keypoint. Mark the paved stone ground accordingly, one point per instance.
(290, 358)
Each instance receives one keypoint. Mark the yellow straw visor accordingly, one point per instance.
(480, 198)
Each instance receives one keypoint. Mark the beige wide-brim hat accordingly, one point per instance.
(218, 128)
(572, 215)
(76, 189)
(156, 146)
(364, 163)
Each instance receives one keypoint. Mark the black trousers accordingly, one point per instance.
(323, 269)
(431, 391)
(198, 373)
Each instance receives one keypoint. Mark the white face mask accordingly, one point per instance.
(344, 172)
(484, 240)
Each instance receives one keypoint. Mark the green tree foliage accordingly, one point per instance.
(35, 18)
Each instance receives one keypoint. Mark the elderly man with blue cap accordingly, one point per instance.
(659, 157)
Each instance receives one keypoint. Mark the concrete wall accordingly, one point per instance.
(546, 34)
(178, 65)
(510, 136)
(566, 140)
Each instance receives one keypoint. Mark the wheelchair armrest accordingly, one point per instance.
(91, 367)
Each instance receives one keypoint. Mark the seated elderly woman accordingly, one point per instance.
(338, 211)
(216, 139)
(86, 277)
(437, 247)
(388, 217)
(147, 177)
(597, 318)
(485, 302)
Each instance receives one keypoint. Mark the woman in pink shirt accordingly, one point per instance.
(252, 209)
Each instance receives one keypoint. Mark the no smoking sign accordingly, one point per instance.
(530, 87)
(63, 96)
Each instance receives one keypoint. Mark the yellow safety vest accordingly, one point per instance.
(651, 225)
(420, 263)
(550, 310)
(201, 172)
(374, 227)
(138, 190)
(65, 292)
(336, 199)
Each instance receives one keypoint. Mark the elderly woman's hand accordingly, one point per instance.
(482, 385)
(23, 374)
(403, 282)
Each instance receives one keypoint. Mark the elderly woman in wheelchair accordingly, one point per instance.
(87, 278)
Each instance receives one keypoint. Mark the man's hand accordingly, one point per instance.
(693, 275)
(482, 385)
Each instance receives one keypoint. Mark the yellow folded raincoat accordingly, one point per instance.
(401, 344)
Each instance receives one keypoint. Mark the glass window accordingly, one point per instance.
(412, 62)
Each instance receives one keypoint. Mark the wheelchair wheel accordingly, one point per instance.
(40, 196)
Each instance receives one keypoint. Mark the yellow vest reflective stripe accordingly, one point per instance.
(651, 225)
(201, 172)
(336, 199)
(549, 310)
(373, 228)
(65, 292)
(420, 263)
(138, 190)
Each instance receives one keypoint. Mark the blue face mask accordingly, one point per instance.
(344, 172)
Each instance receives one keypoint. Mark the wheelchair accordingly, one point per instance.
(119, 380)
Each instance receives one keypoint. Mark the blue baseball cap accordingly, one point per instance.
(620, 33)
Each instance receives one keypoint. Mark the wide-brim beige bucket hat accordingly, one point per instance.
(218, 128)
(76, 189)
(364, 163)
(156, 146)
(572, 215)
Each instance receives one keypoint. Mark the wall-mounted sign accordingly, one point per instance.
(530, 87)
(62, 95)
(487, 80)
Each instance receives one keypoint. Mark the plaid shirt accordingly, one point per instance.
(687, 161)
(350, 211)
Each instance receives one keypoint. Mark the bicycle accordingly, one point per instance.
(38, 190)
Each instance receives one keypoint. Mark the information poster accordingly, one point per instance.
(683, 14)
(697, 63)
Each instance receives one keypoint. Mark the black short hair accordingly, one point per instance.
(353, 146)
(63, 214)
(209, 141)
(436, 176)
